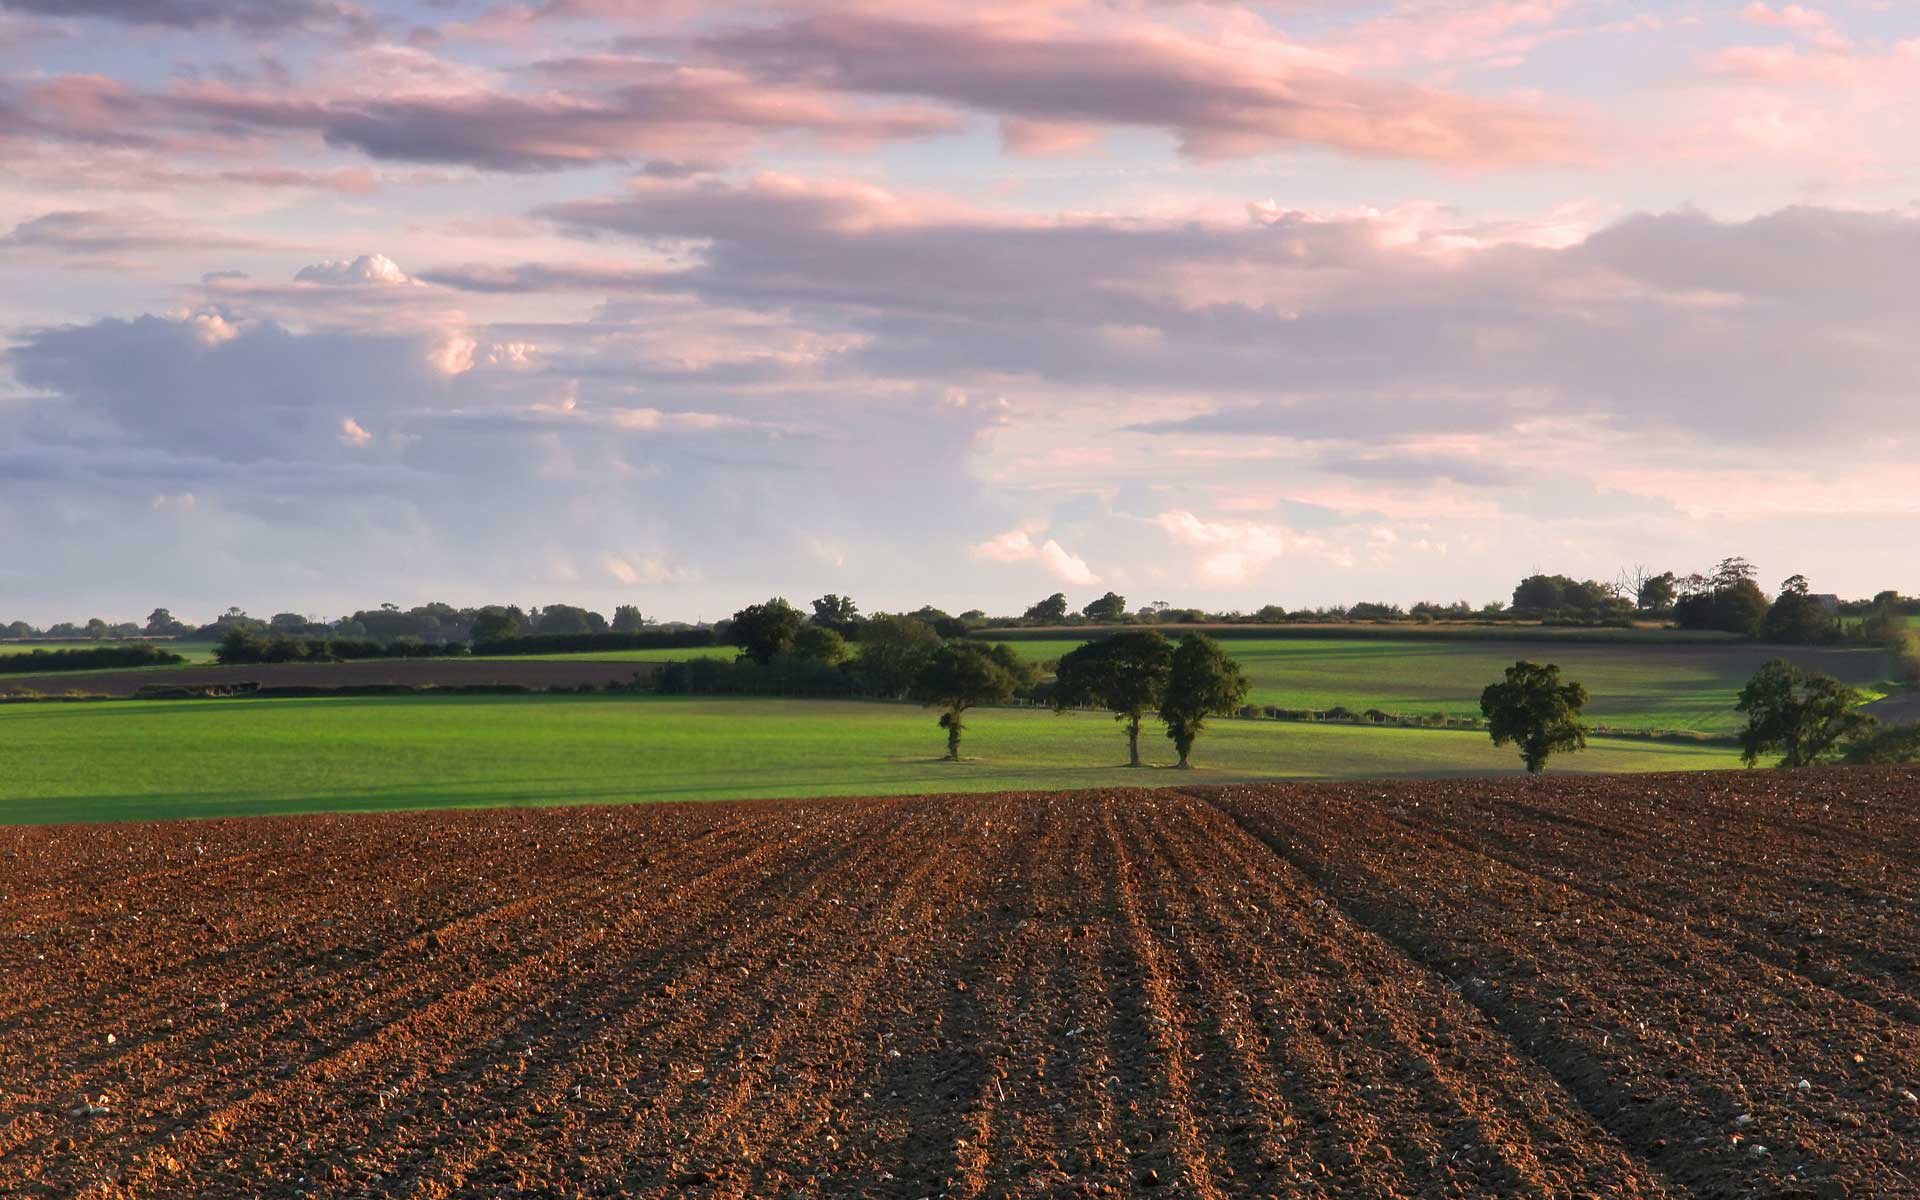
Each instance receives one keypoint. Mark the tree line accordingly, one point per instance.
(1725, 599)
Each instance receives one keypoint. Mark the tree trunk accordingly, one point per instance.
(1133, 743)
(953, 737)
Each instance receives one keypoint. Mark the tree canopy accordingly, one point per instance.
(1534, 710)
(962, 674)
(1124, 673)
(765, 631)
(1800, 714)
(1202, 682)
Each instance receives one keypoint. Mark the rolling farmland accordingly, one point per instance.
(1697, 986)
(1633, 684)
(134, 759)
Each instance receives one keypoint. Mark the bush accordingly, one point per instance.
(587, 643)
(88, 659)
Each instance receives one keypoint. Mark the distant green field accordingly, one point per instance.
(149, 759)
(1633, 686)
(193, 652)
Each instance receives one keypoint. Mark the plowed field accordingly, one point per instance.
(1665, 986)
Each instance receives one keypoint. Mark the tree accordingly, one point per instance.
(556, 619)
(287, 622)
(1797, 617)
(893, 651)
(963, 674)
(1124, 673)
(1110, 607)
(495, 622)
(1656, 594)
(628, 619)
(819, 644)
(1802, 714)
(1050, 611)
(1533, 709)
(765, 631)
(1895, 744)
(1202, 683)
(836, 612)
(161, 623)
(1727, 600)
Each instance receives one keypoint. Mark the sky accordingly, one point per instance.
(311, 305)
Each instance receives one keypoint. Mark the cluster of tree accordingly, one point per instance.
(88, 659)
(239, 645)
(1133, 673)
(1547, 596)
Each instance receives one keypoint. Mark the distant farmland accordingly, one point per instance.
(115, 760)
(1633, 684)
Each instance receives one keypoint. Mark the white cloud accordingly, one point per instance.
(353, 434)
(369, 270)
(1017, 545)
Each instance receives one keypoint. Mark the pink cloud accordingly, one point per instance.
(1227, 97)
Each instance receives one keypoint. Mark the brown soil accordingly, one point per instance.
(415, 672)
(1599, 987)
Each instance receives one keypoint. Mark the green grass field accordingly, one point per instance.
(1632, 686)
(125, 760)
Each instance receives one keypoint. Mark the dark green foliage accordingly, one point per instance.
(1202, 682)
(562, 619)
(819, 644)
(161, 623)
(765, 631)
(627, 618)
(1534, 710)
(1124, 673)
(494, 623)
(1657, 594)
(87, 659)
(893, 652)
(587, 643)
(1797, 618)
(1803, 715)
(1889, 744)
(1051, 611)
(838, 613)
(963, 674)
(1558, 595)
(252, 646)
(1110, 607)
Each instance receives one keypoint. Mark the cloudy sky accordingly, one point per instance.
(314, 304)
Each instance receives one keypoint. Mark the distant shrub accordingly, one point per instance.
(588, 643)
(91, 658)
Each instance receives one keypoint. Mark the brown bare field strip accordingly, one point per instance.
(1670, 986)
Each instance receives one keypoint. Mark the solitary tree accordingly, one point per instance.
(628, 619)
(765, 631)
(1801, 714)
(1110, 607)
(962, 674)
(1050, 611)
(1533, 709)
(1202, 683)
(1124, 673)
